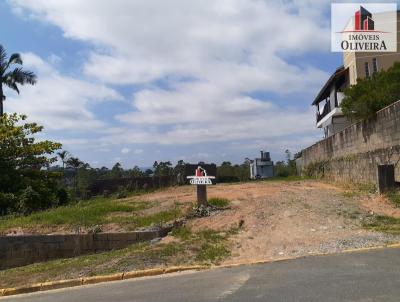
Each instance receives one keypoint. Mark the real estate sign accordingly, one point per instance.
(364, 27)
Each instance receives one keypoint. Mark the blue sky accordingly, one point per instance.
(138, 81)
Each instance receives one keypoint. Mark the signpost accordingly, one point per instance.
(201, 180)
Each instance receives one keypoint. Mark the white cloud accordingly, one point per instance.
(149, 40)
(57, 101)
(125, 150)
(210, 54)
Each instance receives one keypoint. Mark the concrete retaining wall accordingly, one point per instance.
(354, 153)
(22, 250)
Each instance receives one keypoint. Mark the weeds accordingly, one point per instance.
(394, 197)
(91, 213)
(219, 202)
(385, 224)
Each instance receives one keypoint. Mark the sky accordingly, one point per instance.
(200, 80)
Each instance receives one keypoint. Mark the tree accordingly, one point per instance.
(63, 155)
(148, 172)
(25, 185)
(179, 172)
(117, 171)
(75, 163)
(12, 77)
(364, 99)
(136, 172)
(162, 168)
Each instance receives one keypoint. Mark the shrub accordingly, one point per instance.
(363, 100)
(7, 203)
(63, 196)
(28, 201)
(122, 193)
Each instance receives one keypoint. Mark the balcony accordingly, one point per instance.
(324, 118)
(325, 111)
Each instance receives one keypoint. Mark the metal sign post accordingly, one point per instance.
(201, 180)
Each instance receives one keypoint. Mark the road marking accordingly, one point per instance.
(237, 283)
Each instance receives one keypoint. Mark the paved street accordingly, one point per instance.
(364, 276)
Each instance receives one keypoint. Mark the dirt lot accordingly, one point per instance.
(287, 218)
(279, 219)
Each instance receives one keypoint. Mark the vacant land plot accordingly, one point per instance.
(288, 218)
(262, 220)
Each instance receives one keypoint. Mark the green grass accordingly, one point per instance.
(394, 197)
(219, 202)
(352, 194)
(385, 224)
(154, 219)
(183, 233)
(212, 252)
(208, 246)
(84, 213)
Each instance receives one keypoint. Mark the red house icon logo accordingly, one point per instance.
(363, 20)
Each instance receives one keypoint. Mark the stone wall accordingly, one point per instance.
(22, 250)
(354, 153)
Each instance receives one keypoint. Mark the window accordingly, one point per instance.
(375, 65)
(366, 69)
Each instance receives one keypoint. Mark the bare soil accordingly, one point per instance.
(286, 218)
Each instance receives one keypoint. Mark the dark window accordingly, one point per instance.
(366, 69)
(375, 65)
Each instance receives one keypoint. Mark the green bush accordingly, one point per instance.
(7, 203)
(363, 100)
(63, 196)
(28, 200)
(122, 193)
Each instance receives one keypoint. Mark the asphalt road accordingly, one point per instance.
(362, 276)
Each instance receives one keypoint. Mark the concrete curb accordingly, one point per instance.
(158, 271)
(95, 279)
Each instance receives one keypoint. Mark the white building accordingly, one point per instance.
(262, 167)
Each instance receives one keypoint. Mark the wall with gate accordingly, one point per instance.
(354, 153)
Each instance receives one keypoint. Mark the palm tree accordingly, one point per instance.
(10, 77)
(63, 155)
(75, 163)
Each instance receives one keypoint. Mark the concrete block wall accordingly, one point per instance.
(22, 250)
(354, 153)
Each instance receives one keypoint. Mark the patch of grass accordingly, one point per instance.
(206, 246)
(385, 224)
(143, 221)
(183, 233)
(356, 189)
(394, 197)
(84, 213)
(351, 194)
(212, 252)
(219, 202)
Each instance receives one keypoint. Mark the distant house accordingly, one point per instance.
(262, 167)
(356, 65)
